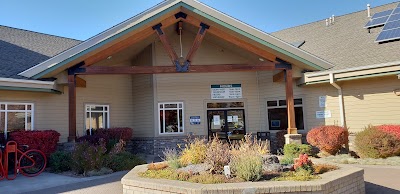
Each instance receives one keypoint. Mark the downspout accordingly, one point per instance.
(341, 105)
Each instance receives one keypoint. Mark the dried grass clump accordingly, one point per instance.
(194, 152)
(157, 166)
(218, 155)
(322, 168)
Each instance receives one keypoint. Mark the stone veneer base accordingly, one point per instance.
(345, 180)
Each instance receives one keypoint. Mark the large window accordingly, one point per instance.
(97, 117)
(16, 116)
(277, 114)
(171, 117)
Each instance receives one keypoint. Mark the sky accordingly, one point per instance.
(82, 19)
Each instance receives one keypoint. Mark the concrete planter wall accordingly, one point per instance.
(345, 180)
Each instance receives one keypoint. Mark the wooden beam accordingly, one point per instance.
(279, 77)
(197, 41)
(71, 108)
(123, 44)
(166, 44)
(233, 39)
(290, 102)
(93, 70)
(80, 83)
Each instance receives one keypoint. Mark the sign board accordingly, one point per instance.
(217, 120)
(194, 120)
(323, 114)
(322, 101)
(226, 91)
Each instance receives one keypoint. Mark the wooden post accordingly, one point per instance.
(72, 107)
(290, 102)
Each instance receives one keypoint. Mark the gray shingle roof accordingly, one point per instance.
(345, 43)
(22, 49)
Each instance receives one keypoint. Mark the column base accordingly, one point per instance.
(293, 138)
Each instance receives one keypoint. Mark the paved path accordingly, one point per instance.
(381, 179)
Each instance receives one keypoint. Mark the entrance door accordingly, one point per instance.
(226, 123)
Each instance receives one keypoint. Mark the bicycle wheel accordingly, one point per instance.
(32, 163)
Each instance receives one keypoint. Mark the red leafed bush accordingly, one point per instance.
(392, 129)
(118, 133)
(328, 138)
(43, 140)
(303, 162)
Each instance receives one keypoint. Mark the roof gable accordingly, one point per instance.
(78, 53)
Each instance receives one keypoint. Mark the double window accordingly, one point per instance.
(171, 116)
(16, 116)
(277, 114)
(96, 117)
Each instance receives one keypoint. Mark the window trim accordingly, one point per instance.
(163, 109)
(90, 115)
(32, 111)
(302, 105)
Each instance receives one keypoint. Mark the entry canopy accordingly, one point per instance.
(139, 27)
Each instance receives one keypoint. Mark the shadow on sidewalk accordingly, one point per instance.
(371, 188)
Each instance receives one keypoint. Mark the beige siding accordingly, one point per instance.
(143, 98)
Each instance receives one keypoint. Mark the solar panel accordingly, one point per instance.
(388, 35)
(394, 17)
(381, 14)
(391, 25)
(396, 11)
(376, 22)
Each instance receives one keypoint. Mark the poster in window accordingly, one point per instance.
(275, 123)
(235, 118)
(217, 120)
(230, 119)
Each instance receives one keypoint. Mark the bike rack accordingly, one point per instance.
(11, 148)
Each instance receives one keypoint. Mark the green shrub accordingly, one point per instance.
(124, 161)
(60, 161)
(374, 143)
(87, 157)
(247, 165)
(194, 152)
(171, 156)
(287, 160)
(329, 138)
(299, 175)
(217, 155)
(294, 150)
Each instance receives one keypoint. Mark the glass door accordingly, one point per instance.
(226, 123)
(235, 124)
(217, 123)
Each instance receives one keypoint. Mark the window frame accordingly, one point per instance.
(302, 105)
(26, 111)
(90, 115)
(177, 110)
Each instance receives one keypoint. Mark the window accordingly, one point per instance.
(16, 116)
(277, 114)
(96, 117)
(171, 117)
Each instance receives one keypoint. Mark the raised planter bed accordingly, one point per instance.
(345, 180)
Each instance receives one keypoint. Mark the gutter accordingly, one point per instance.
(28, 85)
(341, 105)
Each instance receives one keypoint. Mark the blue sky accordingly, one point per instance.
(81, 19)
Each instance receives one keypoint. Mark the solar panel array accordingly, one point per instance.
(391, 30)
(378, 19)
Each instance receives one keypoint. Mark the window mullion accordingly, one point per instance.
(179, 122)
(26, 117)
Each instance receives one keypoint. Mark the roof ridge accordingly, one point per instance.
(335, 16)
(31, 31)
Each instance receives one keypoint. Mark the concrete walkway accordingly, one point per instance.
(381, 179)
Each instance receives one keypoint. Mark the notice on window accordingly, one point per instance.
(322, 101)
(217, 120)
(230, 119)
(226, 91)
(323, 114)
(235, 118)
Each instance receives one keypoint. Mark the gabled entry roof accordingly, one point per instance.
(160, 12)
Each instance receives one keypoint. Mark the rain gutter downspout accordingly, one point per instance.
(341, 105)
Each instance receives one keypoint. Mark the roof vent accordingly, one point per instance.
(369, 10)
(333, 19)
(327, 22)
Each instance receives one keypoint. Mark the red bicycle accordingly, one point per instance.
(27, 162)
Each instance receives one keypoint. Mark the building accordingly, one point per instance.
(182, 68)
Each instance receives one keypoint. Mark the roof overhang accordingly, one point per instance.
(385, 69)
(28, 85)
(81, 51)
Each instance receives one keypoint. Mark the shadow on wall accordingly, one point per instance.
(15, 59)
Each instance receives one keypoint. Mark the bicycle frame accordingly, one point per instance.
(11, 147)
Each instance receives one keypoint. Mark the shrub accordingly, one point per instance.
(287, 160)
(60, 161)
(171, 156)
(157, 166)
(299, 175)
(94, 139)
(45, 141)
(328, 138)
(322, 168)
(87, 157)
(217, 155)
(110, 135)
(373, 143)
(392, 129)
(295, 150)
(124, 161)
(194, 152)
(303, 163)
